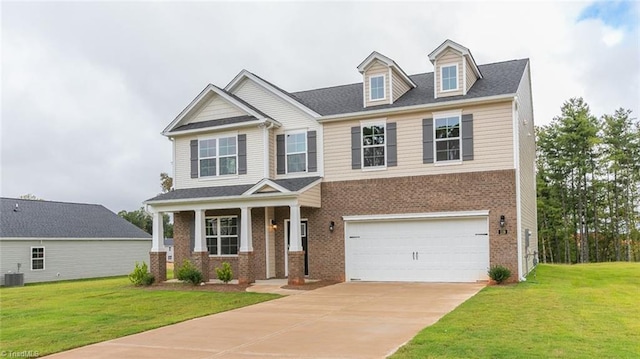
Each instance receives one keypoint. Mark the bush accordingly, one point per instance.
(224, 273)
(499, 273)
(140, 275)
(188, 273)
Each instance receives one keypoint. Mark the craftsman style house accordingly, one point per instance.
(426, 177)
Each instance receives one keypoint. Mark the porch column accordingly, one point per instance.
(158, 256)
(200, 252)
(296, 253)
(245, 254)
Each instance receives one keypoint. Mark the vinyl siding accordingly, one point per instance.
(447, 58)
(400, 87)
(527, 154)
(311, 197)
(493, 145)
(73, 259)
(272, 154)
(471, 76)
(376, 68)
(255, 160)
(215, 108)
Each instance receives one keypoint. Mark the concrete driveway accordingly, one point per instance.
(347, 320)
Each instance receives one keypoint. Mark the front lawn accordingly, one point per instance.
(579, 311)
(53, 317)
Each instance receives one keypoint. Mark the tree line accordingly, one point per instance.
(144, 220)
(588, 186)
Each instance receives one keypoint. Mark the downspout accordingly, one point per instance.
(516, 162)
(265, 145)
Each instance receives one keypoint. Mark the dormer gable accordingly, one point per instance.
(383, 81)
(455, 70)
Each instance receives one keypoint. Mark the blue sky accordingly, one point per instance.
(617, 14)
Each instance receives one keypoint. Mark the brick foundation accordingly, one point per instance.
(158, 266)
(201, 261)
(296, 268)
(245, 268)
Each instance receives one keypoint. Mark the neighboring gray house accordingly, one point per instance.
(58, 241)
(168, 247)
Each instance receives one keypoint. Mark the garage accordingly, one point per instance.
(417, 248)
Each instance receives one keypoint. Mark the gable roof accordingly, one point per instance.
(501, 78)
(389, 62)
(461, 49)
(48, 219)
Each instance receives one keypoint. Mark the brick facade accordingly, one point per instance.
(296, 268)
(245, 268)
(158, 266)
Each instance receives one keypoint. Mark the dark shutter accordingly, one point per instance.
(427, 140)
(192, 234)
(280, 154)
(392, 149)
(312, 151)
(467, 137)
(194, 158)
(242, 154)
(355, 148)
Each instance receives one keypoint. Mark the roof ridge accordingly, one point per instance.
(50, 201)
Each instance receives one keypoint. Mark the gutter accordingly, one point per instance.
(223, 127)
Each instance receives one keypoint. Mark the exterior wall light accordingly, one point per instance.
(332, 225)
(502, 224)
(274, 226)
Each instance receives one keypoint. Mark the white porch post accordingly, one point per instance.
(246, 238)
(157, 242)
(200, 238)
(295, 241)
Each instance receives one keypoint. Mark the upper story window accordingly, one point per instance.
(37, 258)
(296, 151)
(449, 77)
(376, 88)
(218, 156)
(222, 235)
(373, 145)
(447, 138)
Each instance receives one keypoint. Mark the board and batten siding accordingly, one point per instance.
(447, 58)
(74, 259)
(214, 109)
(288, 115)
(471, 76)
(492, 142)
(255, 160)
(400, 87)
(376, 68)
(527, 154)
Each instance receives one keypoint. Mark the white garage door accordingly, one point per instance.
(425, 250)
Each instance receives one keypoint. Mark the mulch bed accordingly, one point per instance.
(202, 288)
(311, 285)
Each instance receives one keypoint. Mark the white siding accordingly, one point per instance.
(311, 197)
(400, 87)
(74, 259)
(447, 58)
(376, 68)
(214, 109)
(493, 145)
(255, 160)
(471, 76)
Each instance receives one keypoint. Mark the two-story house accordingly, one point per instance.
(426, 177)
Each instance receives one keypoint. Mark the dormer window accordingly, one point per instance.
(376, 86)
(449, 77)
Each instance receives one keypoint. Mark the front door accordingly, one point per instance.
(303, 234)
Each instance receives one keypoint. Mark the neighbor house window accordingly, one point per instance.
(373, 145)
(449, 77)
(218, 156)
(37, 258)
(222, 235)
(296, 152)
(376, 87)
(447, 138)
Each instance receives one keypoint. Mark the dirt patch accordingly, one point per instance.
(311, 285)
(205, 288)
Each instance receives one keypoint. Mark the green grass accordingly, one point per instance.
(53, 317)
(579, 311)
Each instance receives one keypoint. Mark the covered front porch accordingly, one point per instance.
(259, 231)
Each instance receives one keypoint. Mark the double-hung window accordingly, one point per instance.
(37, 258)
(376, 88)
(373, 145)
(296, 152)
(218, 156)
(449, 77)
(222, 235)
(447, 138)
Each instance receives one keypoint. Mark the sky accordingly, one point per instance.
(87, 87)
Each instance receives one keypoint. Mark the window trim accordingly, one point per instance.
(457, 88)
(219, 236)
(31, 259)
(217, 157)
(286, 151)
(441, 115)
(368, 124)
(384, 88)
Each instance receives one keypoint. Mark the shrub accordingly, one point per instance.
(224, 273)
(188, 272)
(499, 273)
(140, 275)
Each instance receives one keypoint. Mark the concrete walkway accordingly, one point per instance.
(347, 320)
